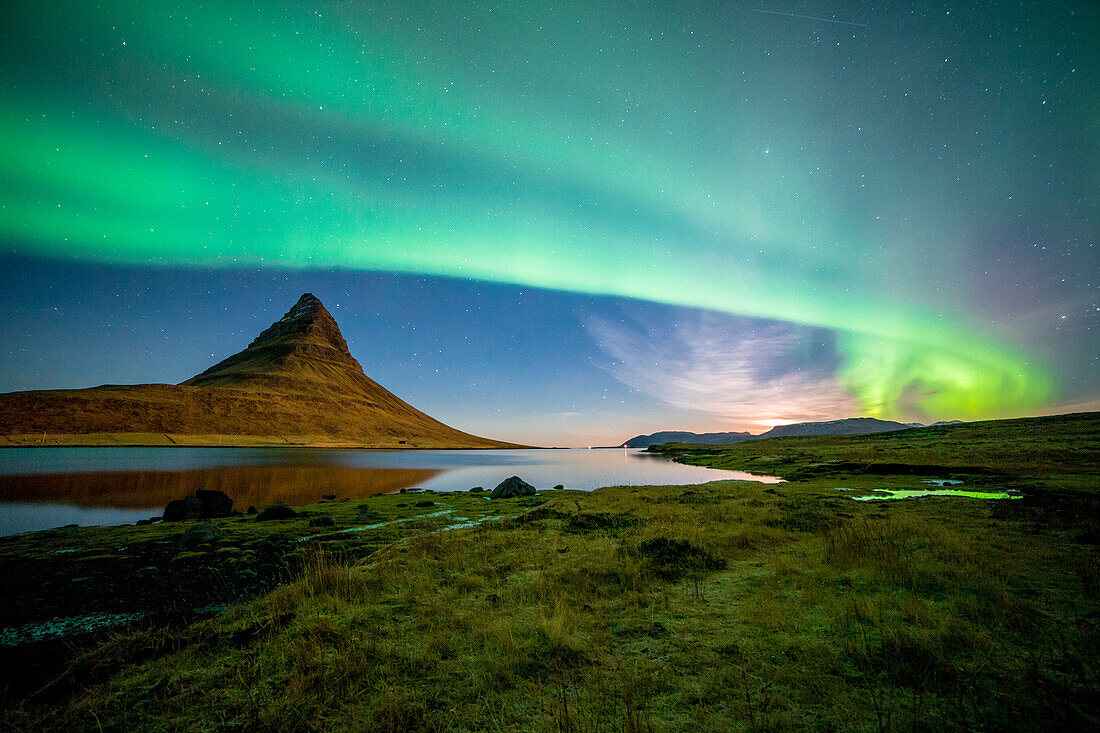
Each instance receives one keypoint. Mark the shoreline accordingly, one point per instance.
(173, 440)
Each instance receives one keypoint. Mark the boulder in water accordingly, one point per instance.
(180, 509)
(512, 487)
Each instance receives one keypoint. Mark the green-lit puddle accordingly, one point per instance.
(887, 494)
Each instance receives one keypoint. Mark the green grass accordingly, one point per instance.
(726, 606)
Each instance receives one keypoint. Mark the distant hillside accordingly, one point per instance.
(847, 426)
(295, 384)
(678, 436)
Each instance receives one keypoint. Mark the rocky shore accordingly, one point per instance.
(68, 588)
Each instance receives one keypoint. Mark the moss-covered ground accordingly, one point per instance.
(725, 606)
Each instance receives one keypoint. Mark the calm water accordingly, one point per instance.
(42, 488)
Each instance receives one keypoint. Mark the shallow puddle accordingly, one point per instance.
(77, 625)
(464, 523)
(887, 494)
(459, 523)
(379, 525)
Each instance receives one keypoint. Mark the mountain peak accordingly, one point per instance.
(308, 321)
(307, 307)
(302, 352)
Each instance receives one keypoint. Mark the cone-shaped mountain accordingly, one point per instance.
(295, 383)
(303, 352)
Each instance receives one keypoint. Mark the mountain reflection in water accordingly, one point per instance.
(49, 487)
(246, 485)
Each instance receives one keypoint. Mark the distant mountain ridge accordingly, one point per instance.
(846, 426)
(683, 436)
(296, 383)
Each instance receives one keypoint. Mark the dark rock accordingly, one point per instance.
(143, 522)
(328, 497)
(201, 534)
(214, 503)
(477, 489)
(251, 509)
(559, 487)
(511, 487)
(203, 505)
(180, 509)
(321, 522)
(278, 510)
(426, 502)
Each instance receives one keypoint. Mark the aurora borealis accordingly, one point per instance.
(898, 208)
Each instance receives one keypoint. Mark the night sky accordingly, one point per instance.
(565, 223)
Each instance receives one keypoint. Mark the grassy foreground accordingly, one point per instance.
(726, 606)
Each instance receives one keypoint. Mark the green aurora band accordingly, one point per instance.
(222, 138)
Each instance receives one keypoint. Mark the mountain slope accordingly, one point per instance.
(296, 383)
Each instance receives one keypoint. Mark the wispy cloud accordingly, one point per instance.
(750, 372)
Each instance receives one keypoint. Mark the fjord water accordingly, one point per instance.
(49, 487)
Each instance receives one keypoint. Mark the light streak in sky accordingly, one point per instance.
(809, 17)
